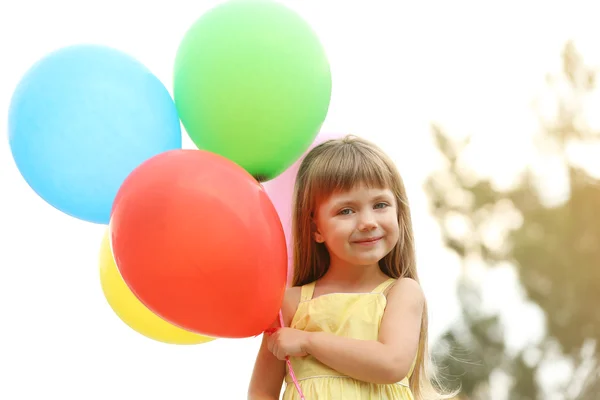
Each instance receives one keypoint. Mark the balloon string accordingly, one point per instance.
(289, 364)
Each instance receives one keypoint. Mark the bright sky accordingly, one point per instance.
(468, 65)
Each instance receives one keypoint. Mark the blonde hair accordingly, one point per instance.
(339, 165)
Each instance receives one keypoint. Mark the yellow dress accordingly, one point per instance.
(355, 315)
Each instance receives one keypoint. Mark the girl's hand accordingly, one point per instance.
(284, 342)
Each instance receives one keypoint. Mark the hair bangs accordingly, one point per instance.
(344, 168)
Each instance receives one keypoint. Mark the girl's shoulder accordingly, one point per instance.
(406, 291)
(404, 285)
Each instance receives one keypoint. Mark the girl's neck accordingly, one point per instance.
(352, 276)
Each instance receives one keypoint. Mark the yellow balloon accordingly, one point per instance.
(132, 311)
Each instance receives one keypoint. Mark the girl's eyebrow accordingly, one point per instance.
(343, 203)
(349, 202)
(382, 196)
(346, 200)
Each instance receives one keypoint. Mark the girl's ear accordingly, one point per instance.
(319, 238)
(315, 231)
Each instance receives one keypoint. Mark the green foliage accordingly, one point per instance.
(555, 251)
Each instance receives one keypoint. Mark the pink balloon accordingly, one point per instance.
(281, 190)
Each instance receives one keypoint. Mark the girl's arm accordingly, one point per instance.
(267, 376)
(269, 372)
(383, 361)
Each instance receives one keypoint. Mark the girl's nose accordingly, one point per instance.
(367, 222)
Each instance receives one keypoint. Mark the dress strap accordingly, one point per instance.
(383, 286)
(306, 293)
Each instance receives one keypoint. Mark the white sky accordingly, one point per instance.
(471, 66)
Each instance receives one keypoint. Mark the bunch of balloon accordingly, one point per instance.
(80, 120)
(194, 234)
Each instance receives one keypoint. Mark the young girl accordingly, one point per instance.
(356, 313)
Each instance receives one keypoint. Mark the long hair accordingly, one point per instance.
(339, 165)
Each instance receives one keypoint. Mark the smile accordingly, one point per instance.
(368, 242)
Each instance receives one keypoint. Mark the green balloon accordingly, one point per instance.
(252, 83)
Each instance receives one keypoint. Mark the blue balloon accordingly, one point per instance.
(81, 119)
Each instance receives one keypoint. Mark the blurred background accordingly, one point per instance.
(539, 233)
(491, 112)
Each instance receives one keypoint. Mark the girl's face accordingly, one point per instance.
(358, 227)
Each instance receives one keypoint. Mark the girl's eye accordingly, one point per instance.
(381, 205)
(345, 211)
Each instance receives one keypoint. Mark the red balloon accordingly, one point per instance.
(198, 241)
